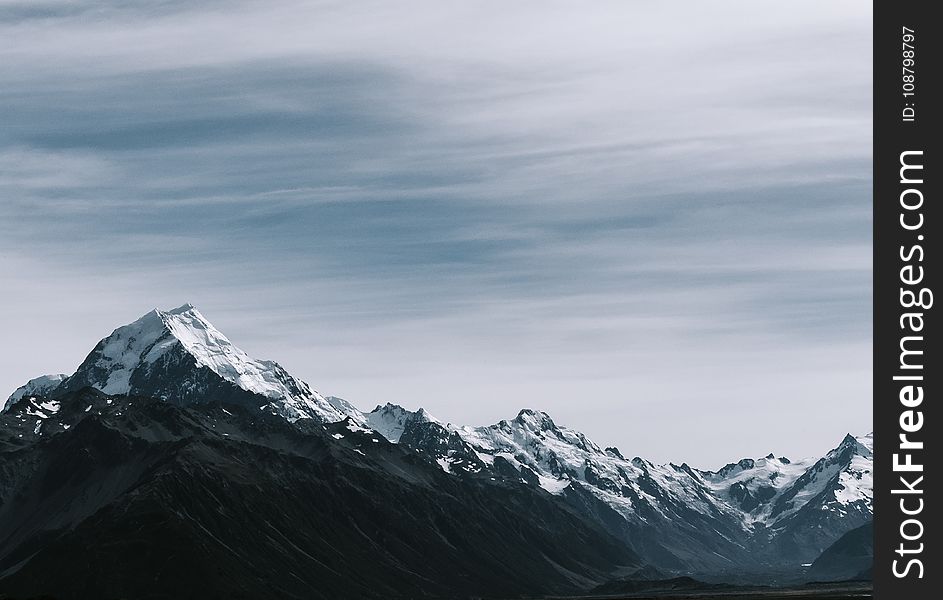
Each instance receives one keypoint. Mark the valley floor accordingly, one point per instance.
(831, 591)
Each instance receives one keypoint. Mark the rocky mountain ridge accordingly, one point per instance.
(752, 515)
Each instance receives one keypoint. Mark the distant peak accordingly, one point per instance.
(391, 409)
(38, 386)
(535, 419)
(613, 451)
(858, 445)
(390, 420)
(388, 407)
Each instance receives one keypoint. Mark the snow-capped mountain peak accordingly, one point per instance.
(535, 420)
(863, 444)
(213, 350)
(119, 354)
(38, 386)
(391, 420)
(855, 478)
(179, 356)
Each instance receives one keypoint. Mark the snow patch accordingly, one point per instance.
(554, 486)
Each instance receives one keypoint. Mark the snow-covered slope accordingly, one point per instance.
(747, 503)
(752, 485)
(841, 482)
(178, 355)
(856, 479)
(391, 420)
(559, 455)
(39, 386)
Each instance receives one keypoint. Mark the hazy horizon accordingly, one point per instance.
(658, 232)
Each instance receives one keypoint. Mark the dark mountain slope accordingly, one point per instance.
(851, 557)
(130, 497)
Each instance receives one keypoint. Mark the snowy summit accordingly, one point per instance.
(179, 356)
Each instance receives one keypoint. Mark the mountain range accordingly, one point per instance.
(172, 460)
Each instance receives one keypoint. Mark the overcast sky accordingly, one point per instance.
(650, 220)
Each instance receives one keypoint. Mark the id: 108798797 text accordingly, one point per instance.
(909, 74)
